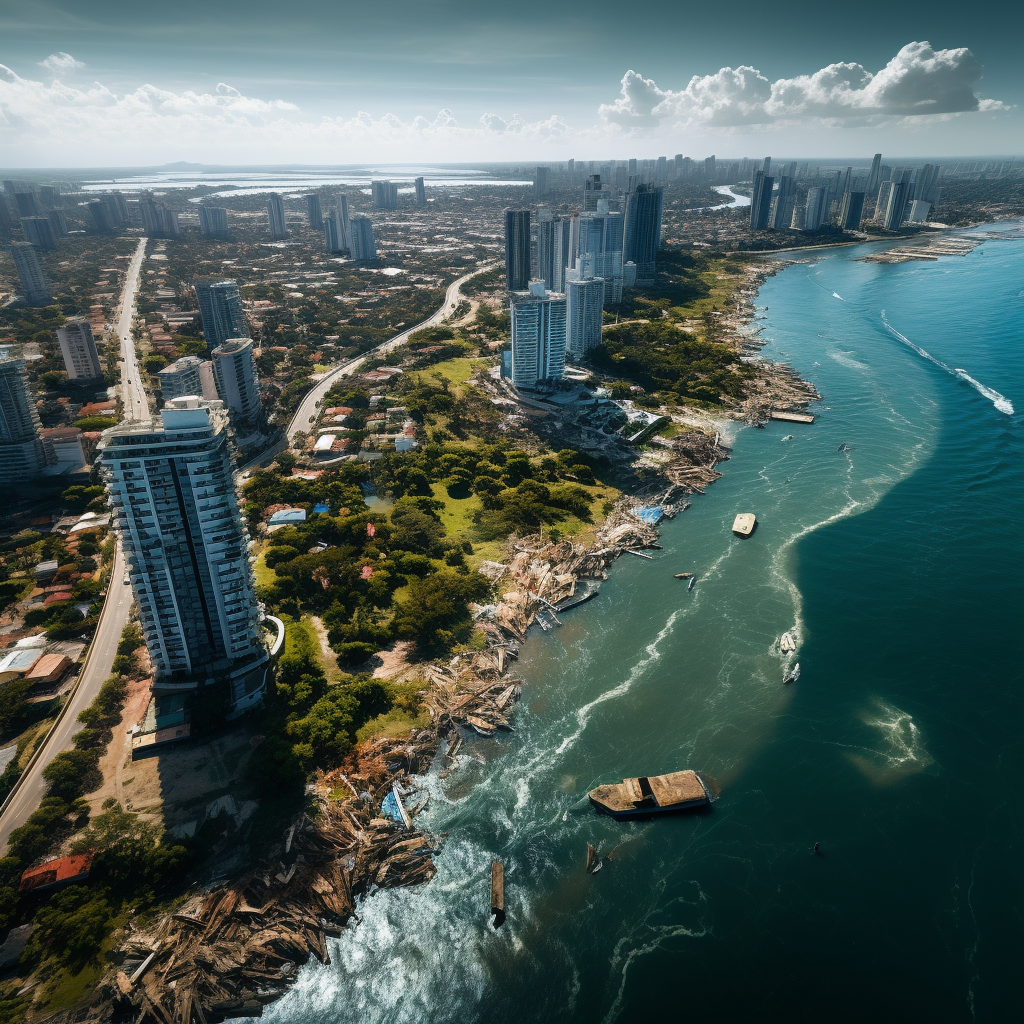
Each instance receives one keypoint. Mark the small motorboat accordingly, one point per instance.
(683, 575)
(693, 580)
(787, 643)
(792, 675)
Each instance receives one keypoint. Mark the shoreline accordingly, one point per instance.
(228, 949)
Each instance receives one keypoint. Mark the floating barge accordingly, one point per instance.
(743, 525)
(654, 794)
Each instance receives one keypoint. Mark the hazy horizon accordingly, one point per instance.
(454, 81)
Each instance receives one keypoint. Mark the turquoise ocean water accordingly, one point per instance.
(899, 749)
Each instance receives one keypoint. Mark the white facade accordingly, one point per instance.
(187, 549)
(361, 243)
(188, 375)
(538, 336)
(584, 304)
(30, 274)
(238, 385)
(78, 348)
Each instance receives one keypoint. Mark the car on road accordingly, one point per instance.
(127, 580)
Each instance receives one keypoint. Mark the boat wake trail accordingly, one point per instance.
(1003, 404)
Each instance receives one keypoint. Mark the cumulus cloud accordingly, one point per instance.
(918, 81)
(62, 63)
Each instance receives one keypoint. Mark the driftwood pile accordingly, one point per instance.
(228, 952)
(777, 388)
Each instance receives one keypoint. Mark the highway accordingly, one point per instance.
(117, 606)
(306, 414)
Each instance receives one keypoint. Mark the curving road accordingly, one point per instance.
(306, 414)
(117, 605)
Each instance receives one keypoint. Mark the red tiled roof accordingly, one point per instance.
(55, 872)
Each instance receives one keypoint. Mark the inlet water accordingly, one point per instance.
(898, 559)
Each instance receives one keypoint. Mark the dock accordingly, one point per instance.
(498, 892)
(792, 417)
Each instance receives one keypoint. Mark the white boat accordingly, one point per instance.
(793, 675)
(787, 643)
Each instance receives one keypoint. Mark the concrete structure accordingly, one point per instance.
(68, 448)
(158, 220)
(919, 211)
(421, 192)
(275, 216)
(314, 213)
(187, 550)
(553, 249)
(783, 204)
(517, 249)
(816, 208)
(188, 375)
(26, 203)
(34, 285)
(78, 348)
(361, 242)
(584, 305)
(642, 230)
(873, 175)
(542, 182)
(384, 195)
(538, 336)
(238, 383)
(24, 454)
(339, 223)
(220, 306)
(761, 200)
(851, 211)
(213, 221)
(599, 245)
(901, 192)
(39, 231)
(58, 223)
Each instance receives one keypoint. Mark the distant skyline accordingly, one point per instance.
(115, 83)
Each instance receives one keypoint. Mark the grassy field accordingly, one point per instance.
(458, 371)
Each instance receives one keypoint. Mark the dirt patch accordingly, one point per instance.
(119, 750)
(394, 661)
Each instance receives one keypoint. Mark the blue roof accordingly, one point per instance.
(651, 514)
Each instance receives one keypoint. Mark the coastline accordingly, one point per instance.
(229, 950)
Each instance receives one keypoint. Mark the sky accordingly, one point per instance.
(110, 83)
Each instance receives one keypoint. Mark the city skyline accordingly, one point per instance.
(460, 83)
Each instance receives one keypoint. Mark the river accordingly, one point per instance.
(899, 561)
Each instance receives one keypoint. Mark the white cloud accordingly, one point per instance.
(917, 81)
(62, 63)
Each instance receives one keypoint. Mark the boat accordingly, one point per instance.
(479, 725)
(787, 643)
(743, 525)
(654, 794)
(683, 575)
(689, 586)
(585, 590)
(793, 674)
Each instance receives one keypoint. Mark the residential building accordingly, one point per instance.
(553, 237)
(538, 336)
(642, 230)
(599, 248)
(78, 348)
(421, 192)
(314, 213)
(213, 221)
(220, 306)
(187, 550)
(541, 181)
(26, 203)
(39, 231)
(361, 242)
(761, 200)
(851, 211)
(48, 196)
(919, 211)
(816, 208)
(34, 285)
(584, 307)
(517, 249)
(900, 195)
(24, 454)
(6, 221)
(58, 222)
(594, 190)
(238, 384)
(873, 175)
(783, 204)
(158, 220)
(188, 375)
(337, 228)
(275, 216)
(384, 195)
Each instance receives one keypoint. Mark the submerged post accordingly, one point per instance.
(498, 892)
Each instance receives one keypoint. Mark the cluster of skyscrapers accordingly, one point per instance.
(842, 199)
(561, 280)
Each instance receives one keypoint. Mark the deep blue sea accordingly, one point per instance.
(898, 561)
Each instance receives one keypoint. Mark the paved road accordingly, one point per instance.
(306, 414)
(117, 606)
